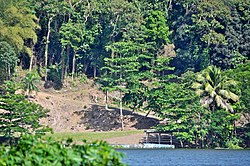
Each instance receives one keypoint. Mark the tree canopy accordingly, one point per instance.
(156, 53)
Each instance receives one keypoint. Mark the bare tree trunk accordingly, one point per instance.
(106, 100)
(73, 65)
(181, 143)
(121, 112)
(67, 62)
(148, 113)
(62, 62)
(86, 66)
(47, 47)
(7, 72)
(94, 71)
(31, 59)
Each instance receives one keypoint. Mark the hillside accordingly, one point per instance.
(81, 108)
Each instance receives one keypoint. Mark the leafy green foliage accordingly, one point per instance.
(209, 33)
(213, 87)
(19, 116)
(18, 24)
(214, 90)
(8, 60)
(181, 110)
(241, 74)
(139, 48)
(33, 151)
(180, 107)
(29, 82)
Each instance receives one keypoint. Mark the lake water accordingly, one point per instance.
(186, 157)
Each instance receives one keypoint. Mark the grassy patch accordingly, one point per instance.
(91, 136)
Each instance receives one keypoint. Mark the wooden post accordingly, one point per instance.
(159, 138)
(171, 139)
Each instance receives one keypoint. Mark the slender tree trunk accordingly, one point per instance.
(31, 59)
(62, 62)
(7, 72)
(121, 112)
(67, 62)
(234, 124)
(86, 66)
(31, 62)
(148, 113)
(94, 74)
(47, 48)
(73, 65)
(181, 143)
(106, 100)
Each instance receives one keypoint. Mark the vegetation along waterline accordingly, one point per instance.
(180, 67)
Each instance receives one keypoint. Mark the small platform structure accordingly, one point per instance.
(157, 137)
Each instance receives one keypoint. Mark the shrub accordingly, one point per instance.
(34, 151)
(29, 82)
(233, 143)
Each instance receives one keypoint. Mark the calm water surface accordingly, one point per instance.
(187, 157)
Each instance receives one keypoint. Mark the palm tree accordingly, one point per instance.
(214, 90)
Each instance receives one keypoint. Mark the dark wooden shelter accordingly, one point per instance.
(158, 137)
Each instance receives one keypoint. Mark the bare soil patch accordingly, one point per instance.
(80, 108)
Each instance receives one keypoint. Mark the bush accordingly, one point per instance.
(233, 143)
(29, 82)
(33, 151)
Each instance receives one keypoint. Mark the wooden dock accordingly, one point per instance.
(144, 146)
(153, 140)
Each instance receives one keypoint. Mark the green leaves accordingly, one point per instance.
(212, 86)
(33, 151)
(29, 82)
(8, 60)
(157, 29)
(19, 116)
(241, 74)
(18, 25)
(180, 108)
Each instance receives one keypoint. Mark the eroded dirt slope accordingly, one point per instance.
(81, 108)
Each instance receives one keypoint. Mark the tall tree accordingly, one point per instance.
(49, 12)
(17, 25)
(214, 90)
(8, 60)
(18, 115)
(121, 67)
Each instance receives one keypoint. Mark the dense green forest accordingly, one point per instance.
(185, 60)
